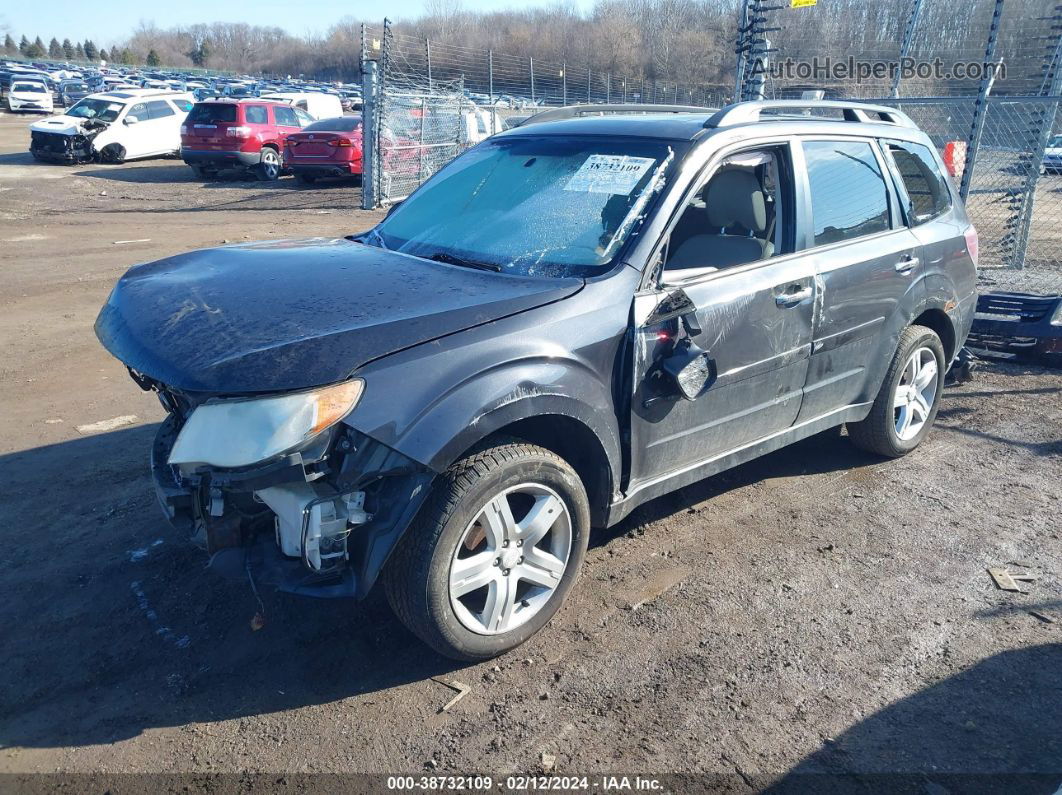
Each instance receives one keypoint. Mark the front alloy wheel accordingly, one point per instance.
(505, 570)
(493, 553)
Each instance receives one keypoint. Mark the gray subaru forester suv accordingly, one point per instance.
(571, 318)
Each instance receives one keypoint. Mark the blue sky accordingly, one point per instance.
(109, 21)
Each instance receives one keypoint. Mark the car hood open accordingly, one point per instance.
(292, 314)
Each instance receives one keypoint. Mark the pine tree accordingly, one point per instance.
(24, 45)
(9, 45)
(152, 58)
(54, 50)
(68, 50)
(79, 52)
(127, 57)
(36, 50)
(91, 53)
(103, 55)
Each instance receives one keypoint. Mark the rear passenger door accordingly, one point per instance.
(163, 128)
(866, 262)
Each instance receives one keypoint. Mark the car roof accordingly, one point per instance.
(684, 124)
(131, 94)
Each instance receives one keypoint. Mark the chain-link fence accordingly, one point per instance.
(984, 84)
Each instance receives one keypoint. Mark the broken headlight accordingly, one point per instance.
(240, 432)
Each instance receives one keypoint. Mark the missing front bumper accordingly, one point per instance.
(322, 528)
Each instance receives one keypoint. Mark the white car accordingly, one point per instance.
(29, 95)
(317, 104)
(113, 127)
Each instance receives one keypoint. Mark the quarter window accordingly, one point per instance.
(848, 194)
(927, 189)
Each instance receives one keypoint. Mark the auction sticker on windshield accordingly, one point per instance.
(609, 174)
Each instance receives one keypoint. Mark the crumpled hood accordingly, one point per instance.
(63, 124)
(292, 314)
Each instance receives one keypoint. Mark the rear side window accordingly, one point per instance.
(159, 110)
(340, 124)
(212, 112)
(182, 105)
(285, 116)
(255, 114)
(848, 194)
(927, 189)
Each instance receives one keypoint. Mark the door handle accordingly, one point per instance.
(792, 296)
(907, 264)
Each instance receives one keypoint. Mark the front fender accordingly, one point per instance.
(476, 408)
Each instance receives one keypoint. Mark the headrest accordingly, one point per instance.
(734, 196)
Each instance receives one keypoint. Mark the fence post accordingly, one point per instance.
(427, 57)
(905, 45)
(361, 60)
(977, 127)
(1052, 87)
(608, 88)
(490, 74)
(370, 123)
(564, 83)
(531, 71)
(739, 49)
(588, 76)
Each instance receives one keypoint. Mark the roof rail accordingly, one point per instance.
(747, 112)
(574, 111)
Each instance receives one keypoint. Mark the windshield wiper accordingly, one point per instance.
(450, 259)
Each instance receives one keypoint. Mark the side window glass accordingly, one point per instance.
(182, 105)
(159, 109)
(139, 111)
(285, 116)
(927, 189)
(849, 198)
(741, 214)
(256, 114)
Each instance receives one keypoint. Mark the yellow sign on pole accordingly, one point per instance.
(802, 3)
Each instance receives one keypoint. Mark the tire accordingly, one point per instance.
(204, 173)
(305, 179)
(269, 168)
(113, 154)
(894, 431)
(454, 522)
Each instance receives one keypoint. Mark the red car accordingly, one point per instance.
(239, 133)
(327, 148)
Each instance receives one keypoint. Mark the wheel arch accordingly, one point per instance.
(576, 443)
(939, 321)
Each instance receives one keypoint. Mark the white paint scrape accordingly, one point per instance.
(107, 425)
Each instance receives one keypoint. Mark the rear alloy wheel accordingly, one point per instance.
(907, 403)
(493, 553)
(269, 167)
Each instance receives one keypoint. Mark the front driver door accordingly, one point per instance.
(753, 318)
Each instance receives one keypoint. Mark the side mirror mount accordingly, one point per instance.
(690, 369)
(131, 120)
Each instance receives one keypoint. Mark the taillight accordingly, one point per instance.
(238, 132)
(340, 142)
(972, 244)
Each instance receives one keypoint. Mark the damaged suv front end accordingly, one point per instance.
(281, 485)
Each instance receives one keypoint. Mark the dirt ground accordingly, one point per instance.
(815, 611)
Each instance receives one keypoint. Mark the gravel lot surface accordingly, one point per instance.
(817, 610)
